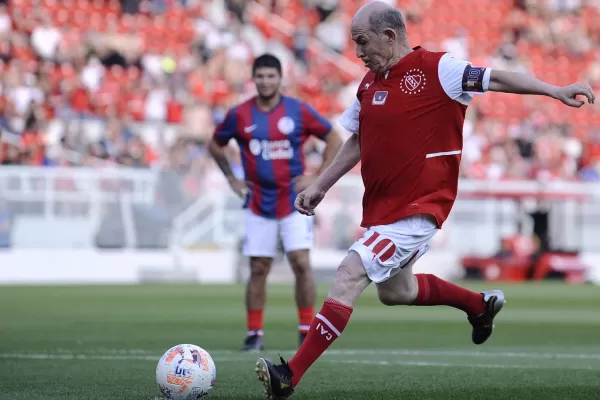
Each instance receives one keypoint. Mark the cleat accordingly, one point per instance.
(253, 343)
(483, 324)
(276, 379)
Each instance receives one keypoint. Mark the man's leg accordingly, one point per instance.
(389, 252)
(306, 292)
(404, 288)
(350, 281)
(260, 244)
(255, 301)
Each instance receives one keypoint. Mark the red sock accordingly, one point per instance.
(434, 291)
(324, 329)
(254, 322)
(305, 317)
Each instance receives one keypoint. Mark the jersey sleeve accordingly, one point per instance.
(227, 129)
(314, 123)
(349, 118)
(461, 80)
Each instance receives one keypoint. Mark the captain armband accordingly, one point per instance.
(475, 79)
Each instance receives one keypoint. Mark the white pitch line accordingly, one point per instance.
(365, 352)
(405, 363)
(106, 351)
(17, 356)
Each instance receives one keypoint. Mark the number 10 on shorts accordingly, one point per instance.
(382, 248)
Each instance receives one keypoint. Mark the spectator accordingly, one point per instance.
(45, 39)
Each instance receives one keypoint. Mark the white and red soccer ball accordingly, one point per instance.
(186, 372)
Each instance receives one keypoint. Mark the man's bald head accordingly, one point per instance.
(380, 36)
(379, 16)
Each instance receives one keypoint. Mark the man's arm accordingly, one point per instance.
(217, 151)
(513, 82)
(333, 143)
(461, 81)
(345, 159)
(218, 154)
(226, 131)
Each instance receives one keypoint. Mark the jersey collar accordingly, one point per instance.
(402, 61)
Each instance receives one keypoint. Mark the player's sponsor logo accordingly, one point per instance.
(367, 85)
(414, 81)
(272, 149)
(250, 129)
(472, 80)
(379, 98)
(286, 125)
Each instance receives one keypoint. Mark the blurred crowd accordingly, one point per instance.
(142, 83)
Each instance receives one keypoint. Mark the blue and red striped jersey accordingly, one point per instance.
(271, 144)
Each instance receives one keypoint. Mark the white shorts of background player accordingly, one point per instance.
(386, 249)
(261, 234)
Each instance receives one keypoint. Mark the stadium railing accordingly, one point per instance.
(135, 210)
(156, 197)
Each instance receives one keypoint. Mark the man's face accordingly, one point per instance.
(373, 49)
(267, 81)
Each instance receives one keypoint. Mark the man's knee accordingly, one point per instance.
(402, 289)
(350, 280)
(300, 263)
(259, 267)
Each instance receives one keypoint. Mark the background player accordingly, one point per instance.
(407, 121)
(271, 130)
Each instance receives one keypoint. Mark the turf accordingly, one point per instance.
(103, 342)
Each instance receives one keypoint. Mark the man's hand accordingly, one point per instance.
(309, 199)
(301, 183)
(239, 187)
(568, 94)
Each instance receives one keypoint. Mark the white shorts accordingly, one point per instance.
(261, 234)
(386, 249)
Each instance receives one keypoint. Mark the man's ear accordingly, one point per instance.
(390, 34)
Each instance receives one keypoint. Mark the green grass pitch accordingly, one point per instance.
(103, 342)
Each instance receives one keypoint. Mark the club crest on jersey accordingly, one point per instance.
(255, 146)
(380, 97)
(286, 125)
(414, 81)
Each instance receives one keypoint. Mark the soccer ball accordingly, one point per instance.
(186, 372)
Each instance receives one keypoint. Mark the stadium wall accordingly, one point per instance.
(61, 266)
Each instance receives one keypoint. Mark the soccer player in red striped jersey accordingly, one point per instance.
(407, 123)
(271, 130)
